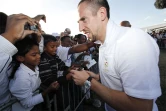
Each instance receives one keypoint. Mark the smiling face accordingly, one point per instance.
(51, 47)
(66, 42)
(82, 39)
(88, 22)
(32, 58)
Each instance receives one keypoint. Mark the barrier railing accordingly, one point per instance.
(72, 98)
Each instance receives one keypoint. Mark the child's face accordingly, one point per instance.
(32, 58)
(51, 47)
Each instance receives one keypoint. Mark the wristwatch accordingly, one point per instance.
(87, 83)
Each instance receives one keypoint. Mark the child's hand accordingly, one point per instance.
(69, 76)
(54, 86)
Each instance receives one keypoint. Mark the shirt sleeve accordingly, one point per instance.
(61, 64)
(138, 69)
(7, 50)
(21, 89)
(62, 52)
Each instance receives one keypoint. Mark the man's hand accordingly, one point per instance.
(79, 77)
(15, 27)
(95, 76)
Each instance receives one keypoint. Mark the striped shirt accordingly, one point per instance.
(48, 68)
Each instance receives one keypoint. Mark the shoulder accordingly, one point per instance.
(61, 49)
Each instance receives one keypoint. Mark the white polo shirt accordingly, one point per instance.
(128, 62)
(62, 52)
(22, 86)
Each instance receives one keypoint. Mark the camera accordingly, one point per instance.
(30, 27)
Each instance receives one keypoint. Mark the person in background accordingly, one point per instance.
(65, 50)
(67, 32)
(125, 24)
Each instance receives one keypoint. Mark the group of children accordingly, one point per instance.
(31, 69)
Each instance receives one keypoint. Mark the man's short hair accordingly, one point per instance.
(80, 35)
(48, 38)
(64, 37)
(125, 24)
(96, 4)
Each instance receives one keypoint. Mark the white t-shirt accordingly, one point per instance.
(128, 62)
(62, 52)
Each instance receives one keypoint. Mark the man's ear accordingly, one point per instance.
(102, 13)
(20, 58)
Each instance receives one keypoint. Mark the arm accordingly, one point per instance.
(80, 47)
(14, 31)
(120, 100)
(21, 88)
(81, 55)
(7, 50)
(15, 27)
(61, 64)
(116, 99)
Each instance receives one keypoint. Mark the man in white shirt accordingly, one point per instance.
(128, 70)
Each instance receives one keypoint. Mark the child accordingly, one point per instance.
(50, 63)
(25, 76)
(49, 66)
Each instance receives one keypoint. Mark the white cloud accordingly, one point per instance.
(147, 18)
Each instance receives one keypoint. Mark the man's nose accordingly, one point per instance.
(81, 26)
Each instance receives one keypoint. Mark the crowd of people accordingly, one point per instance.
(125, 75)
(160, 37)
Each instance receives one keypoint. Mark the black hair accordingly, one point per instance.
(3, 20)
(23, 46)
(160, 4)
(96, 4)
(79, 36)
(125, 23)
(48, 38)
(64, 37)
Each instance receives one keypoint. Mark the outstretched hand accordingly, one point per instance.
(79, 77)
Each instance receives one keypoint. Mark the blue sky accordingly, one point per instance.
(63, 13)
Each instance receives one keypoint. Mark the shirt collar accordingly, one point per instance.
(111, 33)
(29, 71)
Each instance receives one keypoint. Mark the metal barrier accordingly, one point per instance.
(12, 101)
(7, 105)
(72, 93)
